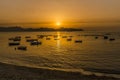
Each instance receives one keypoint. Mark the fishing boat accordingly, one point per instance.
(35, 43)
(27, 37)
(31, 40)
(22, 48)
(78, 41)
(14, 43)
(105, 37)
(69, 39)
(48, 38)
(112, 39)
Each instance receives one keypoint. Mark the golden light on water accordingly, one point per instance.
(58, 41)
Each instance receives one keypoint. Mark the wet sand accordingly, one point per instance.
(13, 72)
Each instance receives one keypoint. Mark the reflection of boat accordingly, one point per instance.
(22, 48)
(35, 43)
(14, 43)
(78, 41)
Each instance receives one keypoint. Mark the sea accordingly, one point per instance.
(94, 55)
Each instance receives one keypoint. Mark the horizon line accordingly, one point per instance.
(50, 22)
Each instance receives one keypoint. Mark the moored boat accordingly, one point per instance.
(105, 37)
(69, 39)
(78, 41)
(48, 38)
(35, 43)
(31, 40)
(22, 48)
(112, 39)
(14, 43)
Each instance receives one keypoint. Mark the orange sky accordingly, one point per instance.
(52, 11)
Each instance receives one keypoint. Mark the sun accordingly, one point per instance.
(58, 23)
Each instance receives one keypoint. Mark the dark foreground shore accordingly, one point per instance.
(13, 72)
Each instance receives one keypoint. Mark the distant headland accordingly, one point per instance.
(20, 29)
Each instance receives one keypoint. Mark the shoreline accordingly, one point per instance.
(13, 72)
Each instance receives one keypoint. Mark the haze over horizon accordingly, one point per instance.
(68, 12)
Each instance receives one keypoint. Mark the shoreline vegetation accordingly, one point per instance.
(20, 29)
(13, 72)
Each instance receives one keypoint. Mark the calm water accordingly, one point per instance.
(95, 55)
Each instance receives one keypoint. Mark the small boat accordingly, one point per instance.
(78, 41)
(48, 38)
(49, 35)
(108, 34)
(96, 37)
(22, 48)
(27, 37)
(56, 39)
(40, 36)
(17, 39)
(14, 43)
(31, 40)
(112, 39)
(35, 43)
(11, 38)
(105, 37)
(69, 39)
(70, 36)
(55, 36)
(64, 36)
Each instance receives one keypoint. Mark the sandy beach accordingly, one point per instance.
(13, 72)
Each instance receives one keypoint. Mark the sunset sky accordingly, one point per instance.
(47, 11)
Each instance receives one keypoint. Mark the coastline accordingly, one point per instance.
(13, 72)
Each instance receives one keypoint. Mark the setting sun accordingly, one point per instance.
(58, 23)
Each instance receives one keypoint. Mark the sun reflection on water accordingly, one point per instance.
(58, 41)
